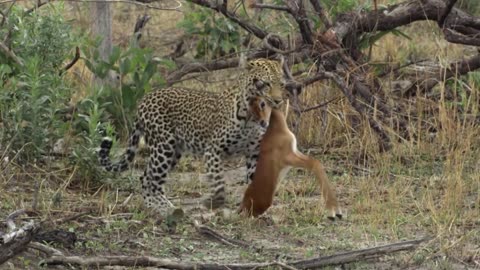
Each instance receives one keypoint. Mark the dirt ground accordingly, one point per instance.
(113, 222)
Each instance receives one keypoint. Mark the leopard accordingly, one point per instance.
(176, 121)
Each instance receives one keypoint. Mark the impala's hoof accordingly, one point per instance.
(335, 213)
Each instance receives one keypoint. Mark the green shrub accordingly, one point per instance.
(30, 95)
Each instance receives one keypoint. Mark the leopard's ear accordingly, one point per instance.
(251, 64)
(242, 61)
(281, 59)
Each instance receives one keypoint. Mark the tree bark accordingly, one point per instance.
(102, 27)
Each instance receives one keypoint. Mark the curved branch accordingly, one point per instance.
(403, 14)
(457, 37)
(456, 68)
(74, 60)
(218, 64)
(450, 4)
(297, 9)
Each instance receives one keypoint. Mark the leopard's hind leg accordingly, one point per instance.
(215, 176)
(163, 158)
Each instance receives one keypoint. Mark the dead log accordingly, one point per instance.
(146, 261)
(16, 241)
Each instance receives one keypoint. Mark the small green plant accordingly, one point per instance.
(88, 120)
(138, 73)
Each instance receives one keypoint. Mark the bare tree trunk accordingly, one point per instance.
(102, 27)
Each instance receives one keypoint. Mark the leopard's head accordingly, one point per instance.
(265, 78)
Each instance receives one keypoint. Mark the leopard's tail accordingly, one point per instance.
(127, 157)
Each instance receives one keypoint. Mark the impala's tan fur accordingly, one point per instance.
(278, 153)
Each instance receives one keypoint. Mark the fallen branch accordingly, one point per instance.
(358, 255)
(146, 261)
(17, 241)
(49, 251)
(206, 231)
(68, 218)
(10, 218)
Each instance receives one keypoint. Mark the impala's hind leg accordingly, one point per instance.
(304, 161)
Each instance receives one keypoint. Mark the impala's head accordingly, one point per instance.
(259, 111)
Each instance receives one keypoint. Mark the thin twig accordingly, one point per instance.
(10, 219)
(274, 7)
(49, 251)
(10, 54)
(74, 60)
(321, 104)
(206, 231)
(176, 8)
(70, 218)
(38, 5)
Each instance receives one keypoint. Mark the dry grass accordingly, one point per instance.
(428, 185)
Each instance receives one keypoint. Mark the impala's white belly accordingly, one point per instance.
(282, 175)
(294, 143)
(285, 170)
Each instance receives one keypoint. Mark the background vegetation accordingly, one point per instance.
(51, 123)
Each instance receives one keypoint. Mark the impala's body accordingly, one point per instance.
(279, 153)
